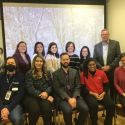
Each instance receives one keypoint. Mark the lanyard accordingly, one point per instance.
(10, 83)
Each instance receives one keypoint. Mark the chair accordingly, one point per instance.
(118, 109)
(102, 108)
(4, 122)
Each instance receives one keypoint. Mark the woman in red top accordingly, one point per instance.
(95, 82)
(119, 80)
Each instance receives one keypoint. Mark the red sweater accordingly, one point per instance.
(119, 79)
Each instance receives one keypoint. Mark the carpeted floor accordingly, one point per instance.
(119, 120)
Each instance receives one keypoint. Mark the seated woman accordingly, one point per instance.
(95, 82)
(38, 88)
(119, 80)
(11, 93)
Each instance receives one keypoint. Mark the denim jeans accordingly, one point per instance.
(16, 116)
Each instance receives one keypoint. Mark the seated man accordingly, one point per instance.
(96, 83)
(11, 92)
(66, 84)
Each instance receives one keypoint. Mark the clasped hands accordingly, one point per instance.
(44, 95)
(98, 96)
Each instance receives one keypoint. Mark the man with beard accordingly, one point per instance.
(11, 93)
(66, 85)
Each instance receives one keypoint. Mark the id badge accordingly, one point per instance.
(15, 89)
(8, 95)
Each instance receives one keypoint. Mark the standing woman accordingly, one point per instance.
(74, 59)
(22, 58)
(38, 49)
(119, 80)
(38, 86)
(84, 54)
(52, 58)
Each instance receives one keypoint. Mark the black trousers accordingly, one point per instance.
(67, 111)
(35, 107)
(93, 108)
(112, 89)
(122, 101)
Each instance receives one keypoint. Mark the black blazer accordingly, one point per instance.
(59, 83)
(113, 54)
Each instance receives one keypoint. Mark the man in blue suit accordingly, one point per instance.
(66, 83)
(107, 54)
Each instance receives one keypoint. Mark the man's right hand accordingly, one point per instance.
(72, 102)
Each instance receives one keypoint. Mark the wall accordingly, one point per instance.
(1, 40)
(116, 20)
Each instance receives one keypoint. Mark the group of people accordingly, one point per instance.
(64, 81)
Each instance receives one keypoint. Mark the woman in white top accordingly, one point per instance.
(38, 49)
(52, 58)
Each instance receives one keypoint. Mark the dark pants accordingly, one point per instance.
(35, 107)
(122, 101)
(67, 111)
(110, 76)
(93, 108)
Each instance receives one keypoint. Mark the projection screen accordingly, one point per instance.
(52, 22)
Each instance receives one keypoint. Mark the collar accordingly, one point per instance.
(64, 71)
(105, 43)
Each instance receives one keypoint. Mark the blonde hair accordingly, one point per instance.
(35, 73)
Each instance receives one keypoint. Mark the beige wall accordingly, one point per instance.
(1, 41)
(116, 20)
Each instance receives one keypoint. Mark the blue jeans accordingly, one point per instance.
(16, 116)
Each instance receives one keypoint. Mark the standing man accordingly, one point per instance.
(67, 89)
(107, 54)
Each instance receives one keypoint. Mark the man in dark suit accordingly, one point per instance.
(67, 88)
(107, 54)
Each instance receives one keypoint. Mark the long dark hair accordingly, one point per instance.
(17, 50)
(85, 47)
(49, 49)
(35, 46)
(85, 67)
